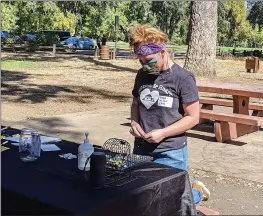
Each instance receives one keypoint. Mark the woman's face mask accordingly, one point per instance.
(150, 66)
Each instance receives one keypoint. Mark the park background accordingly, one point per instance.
(239, 22)
(67, 94)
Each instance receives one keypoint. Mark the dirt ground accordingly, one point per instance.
(49, 85)
(40, 85)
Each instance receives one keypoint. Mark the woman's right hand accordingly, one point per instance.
(136, 130)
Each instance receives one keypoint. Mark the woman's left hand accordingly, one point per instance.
(155, 136)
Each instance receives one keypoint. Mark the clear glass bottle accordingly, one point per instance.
(29, 145)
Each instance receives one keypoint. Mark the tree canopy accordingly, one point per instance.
(238, 23)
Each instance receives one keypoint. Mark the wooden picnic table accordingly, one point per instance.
(231, 89)
(229, 126)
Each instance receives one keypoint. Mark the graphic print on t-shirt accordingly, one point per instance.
(149, 97)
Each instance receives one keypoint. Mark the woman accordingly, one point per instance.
(165, 104)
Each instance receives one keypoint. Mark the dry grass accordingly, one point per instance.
(47, 86)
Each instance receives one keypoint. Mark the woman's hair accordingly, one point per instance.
(140, 34)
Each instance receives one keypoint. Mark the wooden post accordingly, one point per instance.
(111, 53)
(54, 49)
(252, 63)
(26, 46)
(114, 54)
(240, 105)
(96, 52)
(225, 131)
(172, 55)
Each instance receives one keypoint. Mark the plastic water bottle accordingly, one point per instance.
(84, 152)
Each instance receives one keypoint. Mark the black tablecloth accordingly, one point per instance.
(53, 185)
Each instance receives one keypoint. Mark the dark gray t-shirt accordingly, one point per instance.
(161, 100)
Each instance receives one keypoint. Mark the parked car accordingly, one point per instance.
(63, 35)
(4, 35)
(27, 37)
(79, 43)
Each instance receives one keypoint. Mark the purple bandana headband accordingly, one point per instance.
(149, 48)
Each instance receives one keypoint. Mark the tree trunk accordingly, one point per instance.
(202, 35)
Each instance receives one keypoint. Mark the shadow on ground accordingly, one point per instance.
(52, 126)
(210, 137)
(110, 65)
(128, 124)
(15, 88)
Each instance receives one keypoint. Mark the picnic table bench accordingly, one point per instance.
(232, 125)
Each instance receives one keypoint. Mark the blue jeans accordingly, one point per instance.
(174, 158)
